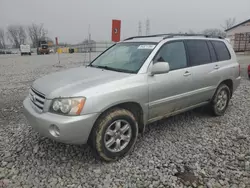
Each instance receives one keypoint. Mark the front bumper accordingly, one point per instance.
(72, 129)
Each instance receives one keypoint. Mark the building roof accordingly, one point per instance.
(238, 25)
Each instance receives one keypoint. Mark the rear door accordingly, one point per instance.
(204, 70)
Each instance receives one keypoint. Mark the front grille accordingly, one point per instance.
(37, 99)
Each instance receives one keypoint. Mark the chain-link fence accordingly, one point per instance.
(85, 47)
(90, 49)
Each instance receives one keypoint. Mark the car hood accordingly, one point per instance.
(71, 82)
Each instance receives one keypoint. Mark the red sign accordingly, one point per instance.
(116, 30)
(56, 41)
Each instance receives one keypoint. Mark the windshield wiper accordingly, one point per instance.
(113, 69)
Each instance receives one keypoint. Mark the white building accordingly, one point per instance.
(239, 36)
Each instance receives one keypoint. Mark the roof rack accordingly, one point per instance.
(146, 36)
(171, 35)
(190, 35)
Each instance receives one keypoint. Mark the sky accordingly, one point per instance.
(69, 20)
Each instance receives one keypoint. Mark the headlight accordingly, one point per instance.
(68, 106)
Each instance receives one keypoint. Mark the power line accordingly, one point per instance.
(139, 28)
(147, 27)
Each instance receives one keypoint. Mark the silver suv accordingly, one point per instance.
(135, 82)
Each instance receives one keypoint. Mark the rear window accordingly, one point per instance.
(198, 52)
(212, 52)
(221, 51)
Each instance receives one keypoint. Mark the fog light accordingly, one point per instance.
(54, 130)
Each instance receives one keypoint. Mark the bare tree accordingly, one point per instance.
(190, 31)
(2, 39)
(214, 32)
(16, 35)
(230, 22)
(36, 33)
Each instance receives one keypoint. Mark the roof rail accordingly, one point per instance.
(190, 35)
(146, 36)
(171, 35)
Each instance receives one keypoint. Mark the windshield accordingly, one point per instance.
(124, 57)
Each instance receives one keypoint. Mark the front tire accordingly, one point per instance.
(114, 134)
(220, 100)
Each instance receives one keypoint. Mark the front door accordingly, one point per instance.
(170, 92)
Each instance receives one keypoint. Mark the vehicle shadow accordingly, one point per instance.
(174, 125)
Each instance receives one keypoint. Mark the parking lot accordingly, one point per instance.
(192, 148)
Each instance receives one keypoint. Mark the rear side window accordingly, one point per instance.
(212, 52)
(221, 51)
(198, 52)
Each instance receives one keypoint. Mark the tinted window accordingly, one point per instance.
(212, 52)
(174, 53)
(198, 52)
(221, 50)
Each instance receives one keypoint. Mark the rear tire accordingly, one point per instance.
(220, 100)
(114, 134)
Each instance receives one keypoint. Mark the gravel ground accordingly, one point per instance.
(192, 149)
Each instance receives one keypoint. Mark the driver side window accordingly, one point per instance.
(174, 53)
(114, 56)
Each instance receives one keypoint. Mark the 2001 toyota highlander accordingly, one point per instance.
(133, 83)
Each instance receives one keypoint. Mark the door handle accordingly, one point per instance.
(216, 67)
(187, 73)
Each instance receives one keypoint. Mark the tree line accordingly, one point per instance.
(19, 34)
(217, 31)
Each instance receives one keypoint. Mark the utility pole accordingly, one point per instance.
(89, 34)
(139, 29)
(89, 41)
(147, 27)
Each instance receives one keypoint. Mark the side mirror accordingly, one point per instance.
(160, 68)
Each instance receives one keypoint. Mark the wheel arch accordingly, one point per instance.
(229, 83)
(134, 107)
